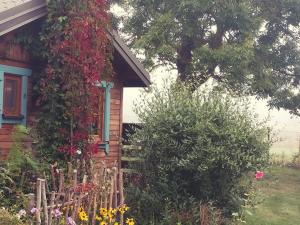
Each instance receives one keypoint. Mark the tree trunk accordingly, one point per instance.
(184, 58)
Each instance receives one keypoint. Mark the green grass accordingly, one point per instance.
(280, 190)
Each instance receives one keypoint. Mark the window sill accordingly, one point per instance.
(21, 117)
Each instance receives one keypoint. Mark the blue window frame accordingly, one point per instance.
(107, 87)
(24, 74)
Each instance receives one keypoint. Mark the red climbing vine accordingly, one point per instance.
(78, 54)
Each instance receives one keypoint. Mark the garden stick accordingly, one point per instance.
(101, 198)
(69, 171)
(44, 198)
(74, 181)
(63, 203)
(121, 194)
(111, 191)
(31, 199)
(78, 205)
(53, 177)
(61, 181)
(68, 208)
(84, 179)
(51, 206)
(91, 202)
(94, 208)
(116, 188)
(105, 189)
(46, 182)
(74, 178)
(38, 200)
(74, 209)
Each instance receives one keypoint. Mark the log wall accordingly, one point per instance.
(15, 56)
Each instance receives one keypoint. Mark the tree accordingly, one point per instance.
(249, 46)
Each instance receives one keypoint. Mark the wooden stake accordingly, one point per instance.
(111, 191)
(51, 207)
(44, 198)
(116, 188)
(74, 178)
(38, 201)
(53, 177)
(31, 203)
(94, 208)
(61, 181)
(69, 171)
(121, 194)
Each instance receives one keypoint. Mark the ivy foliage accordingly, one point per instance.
(250, 46)
(73, 53)
(196, 147)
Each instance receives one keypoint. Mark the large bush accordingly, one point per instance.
(196, 147)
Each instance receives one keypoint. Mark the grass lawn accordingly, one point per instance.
(280, 190)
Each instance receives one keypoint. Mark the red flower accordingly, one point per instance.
(259, 175)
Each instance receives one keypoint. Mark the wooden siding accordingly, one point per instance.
(114, 155)
(13, 55)
(115, 126)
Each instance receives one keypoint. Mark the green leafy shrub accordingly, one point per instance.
(19, 172)
(6, 184)
(195, 146)
(8, 219)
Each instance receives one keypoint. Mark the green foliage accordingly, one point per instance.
(20, 157)
(250, 46)
(19, 173)
(195, 145)
(5, 183)
(7, 219)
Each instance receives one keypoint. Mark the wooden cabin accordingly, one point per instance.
(16, 105)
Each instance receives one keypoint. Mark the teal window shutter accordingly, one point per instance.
(106, 130)
(24, 73)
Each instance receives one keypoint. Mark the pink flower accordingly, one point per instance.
(57, 213)
(259, 175)
(33, 210)
(70, 221)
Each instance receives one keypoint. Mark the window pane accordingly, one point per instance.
(10, 102)
(12, 95)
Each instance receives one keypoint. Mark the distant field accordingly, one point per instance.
(281, 193)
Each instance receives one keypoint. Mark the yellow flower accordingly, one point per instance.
(124, 208)
(99, 218)
(103, 223)
(103, 212)
(130, 221)
(116, 223)
(83, 216)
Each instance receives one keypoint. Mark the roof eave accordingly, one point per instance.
(126, 53)
(21, 15)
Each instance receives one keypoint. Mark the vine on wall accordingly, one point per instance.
(76, 54)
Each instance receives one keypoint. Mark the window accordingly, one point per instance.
(98, 119)
(13, 94)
